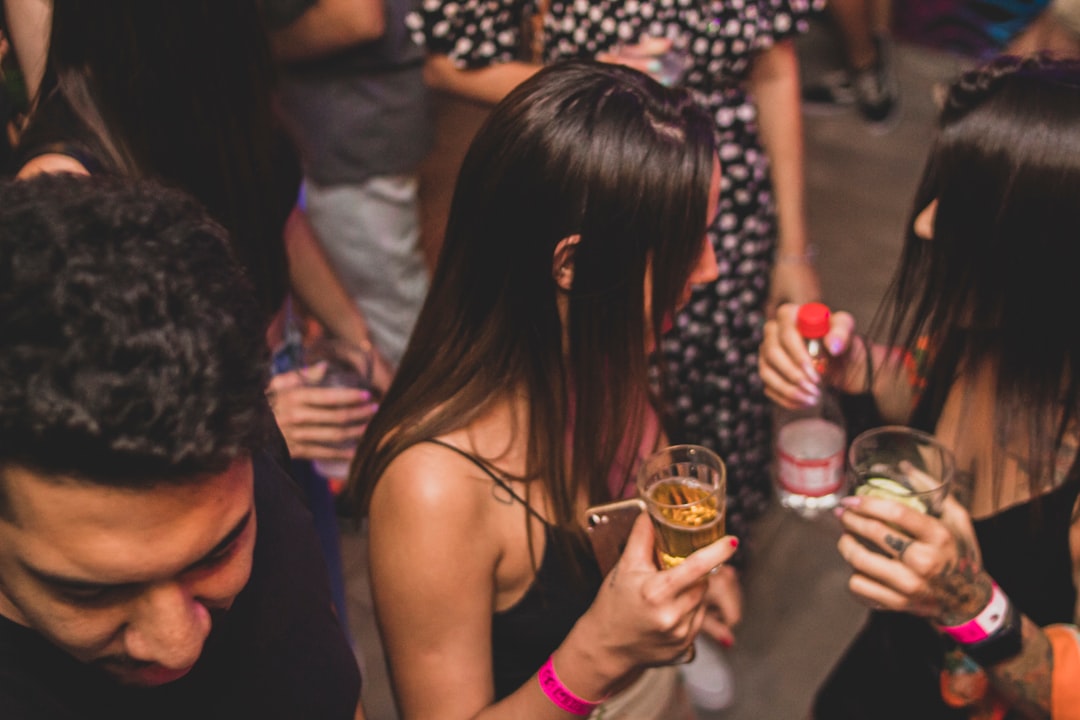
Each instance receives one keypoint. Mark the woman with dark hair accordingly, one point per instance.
(976, 352)
(739, 59)
(182, 92)
(576, 231)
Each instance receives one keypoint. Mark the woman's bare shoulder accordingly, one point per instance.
(429, 479)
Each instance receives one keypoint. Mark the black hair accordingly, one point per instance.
(181, 92)
(996, 282)
(132, 348)
(581, 148)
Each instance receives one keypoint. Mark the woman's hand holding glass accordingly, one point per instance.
(644, 616)
(926, 566)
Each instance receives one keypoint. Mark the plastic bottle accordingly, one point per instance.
(810, 441)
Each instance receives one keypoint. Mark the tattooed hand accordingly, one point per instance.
(909, 561)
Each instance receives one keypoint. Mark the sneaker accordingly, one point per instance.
(831, 93)
(709, 679)
(876, 91)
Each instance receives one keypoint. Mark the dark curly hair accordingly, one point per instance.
(132, 349)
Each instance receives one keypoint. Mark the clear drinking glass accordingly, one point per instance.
(657, 56)
(684, 488)
(902, 464)
(347, 366)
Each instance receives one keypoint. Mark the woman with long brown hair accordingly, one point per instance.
(577, 229)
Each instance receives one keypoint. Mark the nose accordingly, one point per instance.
(169, 628)
(706, 270)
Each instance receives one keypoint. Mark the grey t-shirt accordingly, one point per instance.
(361, 112)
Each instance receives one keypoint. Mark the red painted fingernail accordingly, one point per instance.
(727, 642)
(734, 542)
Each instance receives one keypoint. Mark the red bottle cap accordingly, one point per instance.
(813, 320)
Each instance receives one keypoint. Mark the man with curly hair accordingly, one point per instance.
(154, 560)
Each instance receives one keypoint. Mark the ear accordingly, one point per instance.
(924, 221)
(562, 262)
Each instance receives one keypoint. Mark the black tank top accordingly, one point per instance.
(891, 671)
(524, 635)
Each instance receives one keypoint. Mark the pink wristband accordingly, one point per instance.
(560, 694)
(986, 623)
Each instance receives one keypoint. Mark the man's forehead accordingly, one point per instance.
(31, 496)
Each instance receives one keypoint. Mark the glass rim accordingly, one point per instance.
(720, 486)
(948, 470)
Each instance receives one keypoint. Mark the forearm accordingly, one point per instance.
(327, 27)
(29, 22)
(485, 85)
(1025, 680)
(774, 84)
(316, 285)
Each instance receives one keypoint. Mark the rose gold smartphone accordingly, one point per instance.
(608, 526)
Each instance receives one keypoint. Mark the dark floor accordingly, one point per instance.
(798, 615)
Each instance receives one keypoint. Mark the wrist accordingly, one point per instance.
(586, 665)
(993, 634)
(560, 694)
(800, 255)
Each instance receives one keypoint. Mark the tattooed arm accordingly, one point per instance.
(932, 568)
(1025, 680)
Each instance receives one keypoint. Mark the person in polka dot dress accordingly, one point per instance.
(741, 63)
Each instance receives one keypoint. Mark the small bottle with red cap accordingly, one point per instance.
(810, 441)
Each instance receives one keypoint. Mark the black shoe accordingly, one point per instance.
(877, 93)
(831, 93)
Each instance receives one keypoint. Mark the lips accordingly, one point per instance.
(154, 675)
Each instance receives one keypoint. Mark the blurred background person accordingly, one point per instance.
(868, 79)
(353, 95)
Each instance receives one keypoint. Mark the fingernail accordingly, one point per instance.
(809, 370)
(726, 642)
(838, 511)
(851, 501)
(734, 542)
(654, 66)
(811, 389)
(365, 396)
(835, 346)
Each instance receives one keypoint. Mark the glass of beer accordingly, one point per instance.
(904, 465)
(683, 487)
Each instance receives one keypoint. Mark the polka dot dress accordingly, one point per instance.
(711, 354)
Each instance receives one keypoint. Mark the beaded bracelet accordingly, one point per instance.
(561, 695)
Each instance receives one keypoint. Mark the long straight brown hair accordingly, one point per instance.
(581, 148)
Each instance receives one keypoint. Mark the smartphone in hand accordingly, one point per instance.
(608, 527)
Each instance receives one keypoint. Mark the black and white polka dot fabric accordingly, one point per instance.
(711, 354)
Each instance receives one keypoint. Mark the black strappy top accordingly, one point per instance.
(892, 669)
(524, 635)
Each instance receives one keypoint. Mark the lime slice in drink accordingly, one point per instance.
(890, 490)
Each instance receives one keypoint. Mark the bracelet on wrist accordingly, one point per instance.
(993, 635)
(1004, 644)
(560, 695)
(806, 257)
(987, 622)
